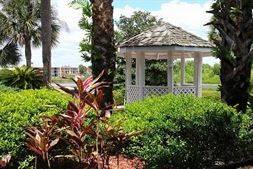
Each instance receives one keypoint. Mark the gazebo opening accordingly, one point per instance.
(166, 43)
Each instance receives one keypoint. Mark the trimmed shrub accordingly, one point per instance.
(185, 132)
(20, 109)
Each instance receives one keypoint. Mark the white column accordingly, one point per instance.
(170, 82)
(140, 73)
(128, 75)
(182, 71)
(128, 69)
(198, 74)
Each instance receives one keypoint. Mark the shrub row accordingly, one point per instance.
(186, 132)
(19, 109)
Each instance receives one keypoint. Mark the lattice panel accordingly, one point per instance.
(149, 91)
(184, 90)
(132, 94)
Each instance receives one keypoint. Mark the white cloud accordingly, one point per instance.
(189, 16)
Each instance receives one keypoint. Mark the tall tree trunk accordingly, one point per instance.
(46, 21)
(103, 55)
(28, 52)
(235, 83)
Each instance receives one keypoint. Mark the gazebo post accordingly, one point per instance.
(182, 71)
(140, 73)
(170, 72)
(198, 74)
(128, 74)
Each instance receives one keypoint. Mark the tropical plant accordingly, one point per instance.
(83, 126)
(9, 55)
(22, 78)
(20, 23)
(232, 36)
(103, 52)
(40, 140)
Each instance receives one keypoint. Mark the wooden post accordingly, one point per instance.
(182, 71)
(170, 82)
(198, 74)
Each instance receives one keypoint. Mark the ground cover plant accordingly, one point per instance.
(186, 132)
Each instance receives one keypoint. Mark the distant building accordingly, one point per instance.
(63, 71)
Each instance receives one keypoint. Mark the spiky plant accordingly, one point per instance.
(21, 77)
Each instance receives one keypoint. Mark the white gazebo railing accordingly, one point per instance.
(133, 92)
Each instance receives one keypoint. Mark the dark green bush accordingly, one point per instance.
(22, 78)
(23, 108)
(185, 132)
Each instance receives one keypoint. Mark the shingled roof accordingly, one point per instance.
(166, 34)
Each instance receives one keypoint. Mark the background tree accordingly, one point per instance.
(46, 36)
(232, 34)
(130, 27)
(20, 23)
(9, 55)
(103, 52)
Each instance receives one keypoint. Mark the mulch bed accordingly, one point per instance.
(126, 163)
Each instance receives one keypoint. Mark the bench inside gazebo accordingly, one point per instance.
(168, 42)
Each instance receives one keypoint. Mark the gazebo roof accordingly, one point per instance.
(166, 34)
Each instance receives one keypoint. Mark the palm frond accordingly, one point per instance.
(9, 55)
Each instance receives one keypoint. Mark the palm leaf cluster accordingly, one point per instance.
(21, 78)
(20, 22)
(9, 55)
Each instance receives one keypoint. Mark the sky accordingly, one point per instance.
(189, 14)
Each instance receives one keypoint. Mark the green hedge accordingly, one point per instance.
(21, 108)
(185, 132)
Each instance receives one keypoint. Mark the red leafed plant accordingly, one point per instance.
(41, 139)
(4, 160)
(84, 126)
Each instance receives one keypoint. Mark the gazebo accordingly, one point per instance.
(164, 41)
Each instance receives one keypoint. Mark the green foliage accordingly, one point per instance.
(83, 127)
(211, 94)
(119, 95)
(22, 78)
(86, 25)
(20, 22)
(9, 55)
(185, 132)
(21, 108)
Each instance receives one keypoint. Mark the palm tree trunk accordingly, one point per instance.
(103, 54)
(28, 52)
(46, 21)
(235, 84)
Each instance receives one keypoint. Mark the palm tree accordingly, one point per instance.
(232, 35)
(103, 53)
(20, 23)
(9, 54)
(46, 22)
